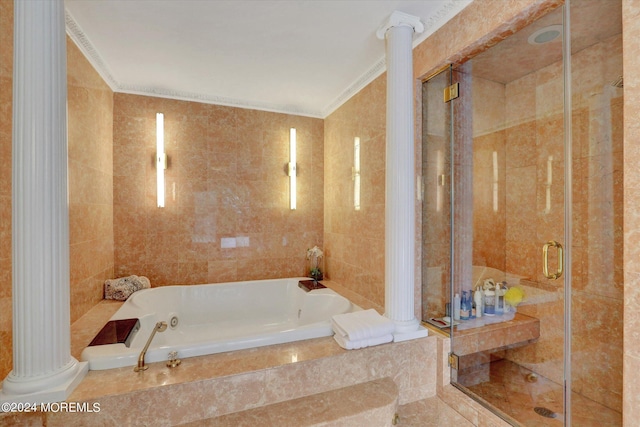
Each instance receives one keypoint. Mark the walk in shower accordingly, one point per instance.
(522, 170)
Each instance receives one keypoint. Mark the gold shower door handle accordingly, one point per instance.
(545, 260)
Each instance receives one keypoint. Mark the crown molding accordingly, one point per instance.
(361, 82)
(444, 14)
(218, 100)
(78, 36)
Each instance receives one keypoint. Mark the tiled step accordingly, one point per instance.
(372, 403)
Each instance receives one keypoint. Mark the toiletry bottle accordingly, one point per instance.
(499, 300)
(456, 307)
(465, 306)
(478, 298)
(489, 302)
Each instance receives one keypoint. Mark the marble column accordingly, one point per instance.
(400, 176)
(43, 369)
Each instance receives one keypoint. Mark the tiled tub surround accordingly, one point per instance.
(215, 318)
(210, 386)
(213, 385)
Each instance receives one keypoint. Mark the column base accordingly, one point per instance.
(55, 394)
(420, 332)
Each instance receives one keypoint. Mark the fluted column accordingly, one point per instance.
(400, 178)
(43, 369)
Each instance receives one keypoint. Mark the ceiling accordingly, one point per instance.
(591, 22)
(302, 57)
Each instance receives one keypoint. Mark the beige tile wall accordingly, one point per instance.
(226, 178)
(354, 240)
(630, 162)
(6, 79)
(90, 130)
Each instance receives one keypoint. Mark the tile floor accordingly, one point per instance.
(510, 392)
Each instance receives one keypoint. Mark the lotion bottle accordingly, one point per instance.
(456, 307)
(478, 298)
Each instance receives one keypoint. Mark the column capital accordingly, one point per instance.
(400, 19)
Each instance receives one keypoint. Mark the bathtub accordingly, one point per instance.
(214, 318)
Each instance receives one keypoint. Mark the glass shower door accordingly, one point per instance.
(508, 225)
(436, 208)
(528, 193)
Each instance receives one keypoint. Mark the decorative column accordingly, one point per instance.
(43, 369)
(400, 176)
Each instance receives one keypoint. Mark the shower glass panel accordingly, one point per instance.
(509, 244)
(523, 183)
(436, 209)
(597, 283)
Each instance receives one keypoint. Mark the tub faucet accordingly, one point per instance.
(160, 327)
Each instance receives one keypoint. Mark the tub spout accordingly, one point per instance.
(160, 327)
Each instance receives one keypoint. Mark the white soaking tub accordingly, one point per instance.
(214, 318)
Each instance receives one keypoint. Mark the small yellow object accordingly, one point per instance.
(514, 296)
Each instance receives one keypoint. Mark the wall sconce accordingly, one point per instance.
(495, 181)
(548, 184)
(161, 158)
(355, 173)
(292, 168)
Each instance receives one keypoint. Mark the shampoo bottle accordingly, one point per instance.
(478, 298)
(456, 307)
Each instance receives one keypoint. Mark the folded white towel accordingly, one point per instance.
(361, 325)
(353, 345)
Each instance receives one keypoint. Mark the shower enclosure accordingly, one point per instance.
(522, 170)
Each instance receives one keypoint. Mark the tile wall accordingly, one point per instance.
(90, 169)
(631, 194)
(226, 179)
(6, 79)
(354, 239)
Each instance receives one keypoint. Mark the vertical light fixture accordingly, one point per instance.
(356, 173)
(161, 158)
(495, 181)
(292, 168)
(548, 184)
